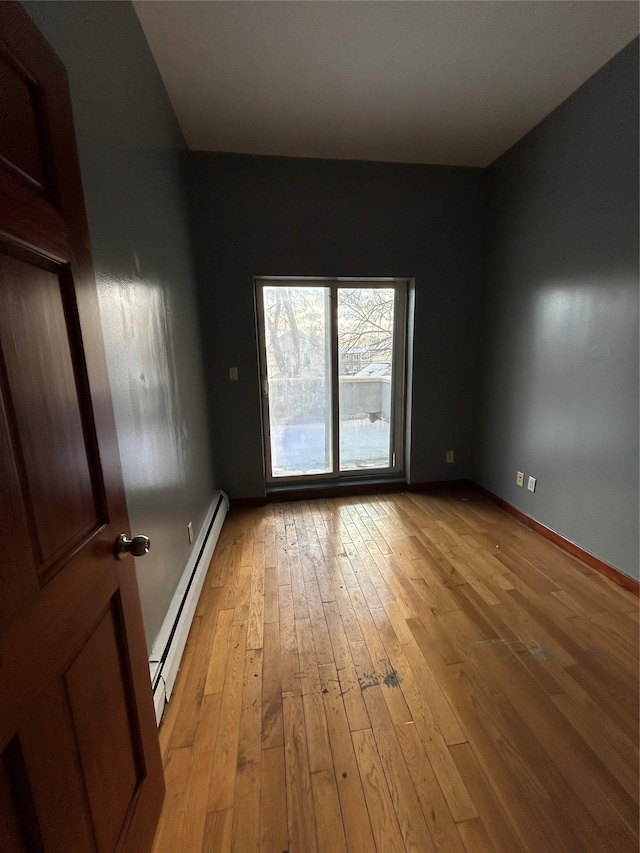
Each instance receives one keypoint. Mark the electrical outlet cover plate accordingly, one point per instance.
(449, 456)
(520, 478)
(531, 484)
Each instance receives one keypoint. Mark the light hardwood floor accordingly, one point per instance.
(402, 672)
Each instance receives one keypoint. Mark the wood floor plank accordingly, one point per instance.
(307, 661)
(302, 828)
(312, 559)
(270, 594)
(300, 605)
(217, 573)
(288, 642)
(443, 714)
(453, 788)
(434, 807)
(196, 794)
(219, 653)
(498, 758)
(256, 607)
(350, 689)
(326, 805)
(320, 757)
(314, 714)
(269, 537)
(272, 730)
(621, 738)
(382, 672)
(274, 831)
(321, 639)
(282, 557)
(357, 826)
(591, 731)
(491, 813)
(572, 757)
(243, 592)
(222, 790)
(591, 684)
(246, 811)
(361, 570)
(402, 672)
(406, 806)
(192, 684)
(217, 834)
(545, 776)
(619, 629)
(432, 585)
(475, 838)
(170, 834)
(350, 624)
(384, 822)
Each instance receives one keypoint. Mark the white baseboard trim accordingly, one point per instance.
(166, 654)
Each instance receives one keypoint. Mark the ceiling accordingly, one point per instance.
(434, 81)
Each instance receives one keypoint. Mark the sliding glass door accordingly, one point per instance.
(297, 379)
(332, 362)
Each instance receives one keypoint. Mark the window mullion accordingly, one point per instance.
(335, 389)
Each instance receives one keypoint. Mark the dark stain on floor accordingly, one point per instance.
(392, 679)
(372, 679)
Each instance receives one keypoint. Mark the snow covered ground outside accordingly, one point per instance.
(300, 448)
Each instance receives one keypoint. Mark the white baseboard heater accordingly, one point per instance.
(165, 657)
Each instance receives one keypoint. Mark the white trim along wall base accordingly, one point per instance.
(165, 657)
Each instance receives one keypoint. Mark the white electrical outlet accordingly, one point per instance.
(531, 484)
(520, 478)
(190, 532)
(449, 456)
(233, 374)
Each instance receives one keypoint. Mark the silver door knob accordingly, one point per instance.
(138, 546)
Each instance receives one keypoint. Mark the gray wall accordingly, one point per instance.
(132, 160)
(283, 216)
(559, 399)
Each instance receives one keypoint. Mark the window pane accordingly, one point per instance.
(365, 350)
(296, 336)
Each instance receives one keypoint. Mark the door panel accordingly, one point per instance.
(18, 573)
(112, 767)
(18, 827)
(80, 764)
(60, 805)
(21, 144)
(61, 482)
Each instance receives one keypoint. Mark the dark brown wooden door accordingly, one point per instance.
(80, 766)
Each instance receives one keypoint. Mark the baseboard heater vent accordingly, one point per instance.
(165, 657)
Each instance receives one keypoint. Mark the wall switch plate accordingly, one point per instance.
(520, 478)
(190, 532)
(233, 374)
(449, 456)
(531, 484)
